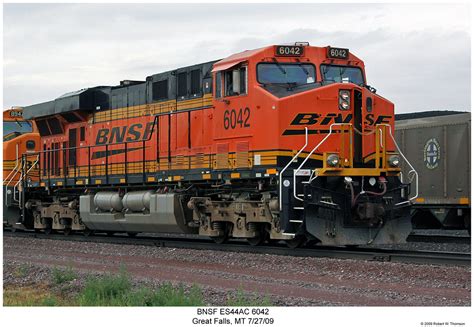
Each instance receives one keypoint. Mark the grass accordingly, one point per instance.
(21, 271)
(116, 290)
(241, 300)
(38, 295)
(61, 276)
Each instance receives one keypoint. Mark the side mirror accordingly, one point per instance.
(236, 81)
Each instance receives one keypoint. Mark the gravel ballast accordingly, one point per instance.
(281, 279)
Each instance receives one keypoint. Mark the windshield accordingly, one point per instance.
(280, 73)
(340, 74)
(12, 129)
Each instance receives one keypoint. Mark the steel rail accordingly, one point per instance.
(335, 252)
(437, 238)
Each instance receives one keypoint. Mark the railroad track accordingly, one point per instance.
(358, 253)
(458, 239)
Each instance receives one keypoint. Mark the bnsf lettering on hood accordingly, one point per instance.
(118, 134)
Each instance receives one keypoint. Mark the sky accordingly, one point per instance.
(417, 56)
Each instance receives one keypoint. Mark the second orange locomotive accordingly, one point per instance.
(282, 142)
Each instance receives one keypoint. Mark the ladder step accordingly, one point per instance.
(298, 208)
(300, 195)
(288, 234)
(329, 203)
(296, 221)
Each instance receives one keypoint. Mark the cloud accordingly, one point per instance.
(416, 55)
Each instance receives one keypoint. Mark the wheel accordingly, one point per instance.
(132, 234)
(257, 240)
(48, 230)
(88, 232)
(220, 239)
(110, 233)
(67, 231)
(296, 242)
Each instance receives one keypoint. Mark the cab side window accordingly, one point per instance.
(218, 85)
(236, 81)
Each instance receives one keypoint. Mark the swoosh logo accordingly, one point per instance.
(103, 154)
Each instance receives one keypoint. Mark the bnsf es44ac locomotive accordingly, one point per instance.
(278, 143)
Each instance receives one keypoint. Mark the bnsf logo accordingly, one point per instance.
(123, 134)
(313, 119)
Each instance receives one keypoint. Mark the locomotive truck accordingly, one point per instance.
(284, 142)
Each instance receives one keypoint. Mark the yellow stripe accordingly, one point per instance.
(152, 108)
(464, 201)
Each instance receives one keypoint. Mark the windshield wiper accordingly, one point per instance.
(304, 69)
(292, 85)
(279, 66)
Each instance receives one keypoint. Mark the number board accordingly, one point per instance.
(289, 50)
(338, 53)
(16, 114)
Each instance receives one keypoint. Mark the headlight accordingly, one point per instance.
(394, 161)
(344, 99)
(332, 160)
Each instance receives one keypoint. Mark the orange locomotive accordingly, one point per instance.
(19, 136)
(280, 143)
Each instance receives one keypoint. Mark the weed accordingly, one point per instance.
(117, 291)
(61, 276)
(168, 295)
(105, 291)
(241, 300)
(21, 271)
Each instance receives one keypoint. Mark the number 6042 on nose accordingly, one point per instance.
(237, 118)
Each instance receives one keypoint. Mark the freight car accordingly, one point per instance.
(439, 147)
(285, 142)
(19, 136)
